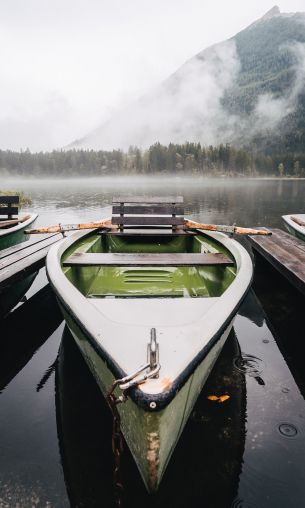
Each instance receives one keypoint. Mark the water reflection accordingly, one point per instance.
(284, 305)
(10, 296)
(205, 466)
(30, 472)
(272, 474)
(24, 330)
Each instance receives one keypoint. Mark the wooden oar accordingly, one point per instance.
(300, 222)
(235, 230)
(103, 224)
(13, 222)
(107, 224)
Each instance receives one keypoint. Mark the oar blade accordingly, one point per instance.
(235, 230)
(62, 228)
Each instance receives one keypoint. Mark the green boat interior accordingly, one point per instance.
(167, 280)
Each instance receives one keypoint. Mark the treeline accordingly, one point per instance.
(184, 159)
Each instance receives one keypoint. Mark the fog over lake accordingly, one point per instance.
(248, 202)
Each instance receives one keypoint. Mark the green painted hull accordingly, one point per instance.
(13, 238)
(205, 466)
(151, 437)
(295, 233)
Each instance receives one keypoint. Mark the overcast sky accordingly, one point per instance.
(67, 64)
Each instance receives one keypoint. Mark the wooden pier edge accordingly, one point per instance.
(285, 253)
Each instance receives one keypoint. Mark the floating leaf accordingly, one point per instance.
(223, 398)
(220, 399)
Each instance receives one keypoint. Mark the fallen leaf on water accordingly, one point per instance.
(220, 399)
(223, 398)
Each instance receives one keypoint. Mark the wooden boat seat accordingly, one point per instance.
(147, 212)
(147, 259)
(7, 210)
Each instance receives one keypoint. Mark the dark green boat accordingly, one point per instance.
(12, 225)
(12, 229)
(152, 309)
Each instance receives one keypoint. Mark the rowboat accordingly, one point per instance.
(12, 226)
(12, 234)
(295, 224)
(150, 305)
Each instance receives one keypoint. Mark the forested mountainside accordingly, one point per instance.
(269, 60)
(247, 91)
(272, 76)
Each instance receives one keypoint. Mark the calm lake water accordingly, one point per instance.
(55, 428)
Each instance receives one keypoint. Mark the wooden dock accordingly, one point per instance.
(285, 253)
(24, 258)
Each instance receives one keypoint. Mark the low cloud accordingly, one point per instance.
(271, 110)
(189, 106)
(186, 107)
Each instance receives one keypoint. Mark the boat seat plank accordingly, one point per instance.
(152, 211)
(163, 209)
(6, 207)
(148, 221)
(150, 199)
(148, 259)
(148, 231)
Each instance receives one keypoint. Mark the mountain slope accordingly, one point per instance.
(248, 90)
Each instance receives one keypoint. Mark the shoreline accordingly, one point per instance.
(156, 176)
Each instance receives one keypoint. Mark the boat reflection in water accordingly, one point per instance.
(11, 295)
(205, 466)
(24, 330)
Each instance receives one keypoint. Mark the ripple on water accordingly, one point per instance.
(249, 364)
(240, 503)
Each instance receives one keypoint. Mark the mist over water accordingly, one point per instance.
(248, 202)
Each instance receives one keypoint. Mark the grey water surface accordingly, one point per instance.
(55, 428)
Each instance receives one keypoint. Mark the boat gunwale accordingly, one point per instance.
(18, 227)
(141, 398)
(294, 225)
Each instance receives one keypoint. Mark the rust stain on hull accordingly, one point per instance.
(153, 442)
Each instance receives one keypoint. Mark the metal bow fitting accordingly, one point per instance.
(147, 371)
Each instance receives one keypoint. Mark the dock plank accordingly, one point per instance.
(24, 259)
(285, 253)
(27, 251)
(24, 245)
